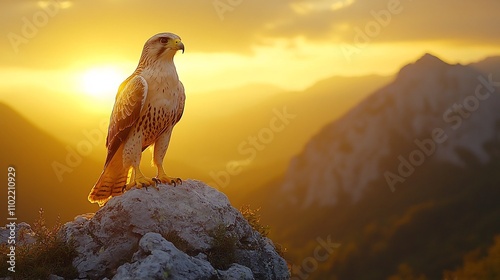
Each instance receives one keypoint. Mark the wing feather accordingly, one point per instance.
(180, 108)
(128, 105)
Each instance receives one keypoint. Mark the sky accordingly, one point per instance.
(85, 48)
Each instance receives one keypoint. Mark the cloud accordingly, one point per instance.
(61, 3)
(111, 29)
(463, 21)
(115, 29)
(307, 7)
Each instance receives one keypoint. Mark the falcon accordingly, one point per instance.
(147, 106)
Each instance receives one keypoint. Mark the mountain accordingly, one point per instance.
(256, 137)
(489, 65)
(231, 99)
(405, 181)
(217, 128)
(224, 128)
(429, 102)
(60, 171)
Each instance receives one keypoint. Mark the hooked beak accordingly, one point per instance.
(179, 45)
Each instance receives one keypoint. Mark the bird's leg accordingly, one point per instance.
(159, 152)
(138, 180)
(132, 157)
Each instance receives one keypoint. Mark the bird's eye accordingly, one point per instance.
(163, 40)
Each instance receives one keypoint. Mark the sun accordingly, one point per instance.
(102, 82)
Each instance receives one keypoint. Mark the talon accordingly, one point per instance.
(168, 180)
(140, 183)
(176, 181)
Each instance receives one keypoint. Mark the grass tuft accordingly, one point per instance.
(48, 254)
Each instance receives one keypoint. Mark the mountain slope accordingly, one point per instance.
(428, 99)
(215, 125)
(489, 65)
(41, 160)
(438, 138)
(228, 139)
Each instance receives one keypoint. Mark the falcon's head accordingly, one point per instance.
(163, 46)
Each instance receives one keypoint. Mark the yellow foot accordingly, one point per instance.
(141, 183)
(168, 180)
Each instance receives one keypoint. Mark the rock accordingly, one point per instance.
(158, 258)
(23, 231)
(24, 234)
(186, 232)
(237, 272)
(262, 261)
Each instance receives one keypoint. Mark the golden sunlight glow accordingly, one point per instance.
(50, 4)
(102, 82)
(304, 8)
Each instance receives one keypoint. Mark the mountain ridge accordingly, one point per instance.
(35, 154)
(436, 128)
(423, 95)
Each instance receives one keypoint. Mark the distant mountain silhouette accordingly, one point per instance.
(489, 65)
(34, 153)
(216, 140)
(426, 95)
(437, 136)
(215, 124)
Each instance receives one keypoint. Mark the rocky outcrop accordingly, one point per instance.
(186, 232)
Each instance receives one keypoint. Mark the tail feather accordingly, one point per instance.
(111, 182)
